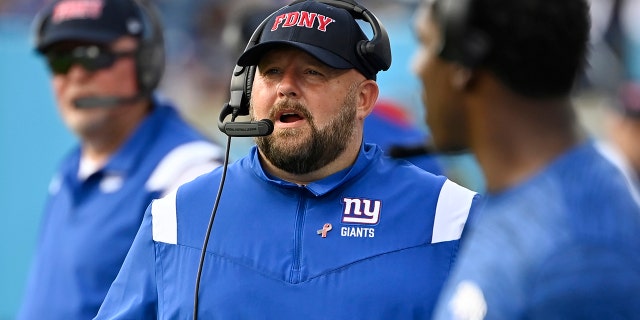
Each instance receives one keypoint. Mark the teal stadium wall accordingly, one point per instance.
(32, 140)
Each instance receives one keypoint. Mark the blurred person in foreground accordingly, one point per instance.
(557, 236)
(106, 59)
(313, 223)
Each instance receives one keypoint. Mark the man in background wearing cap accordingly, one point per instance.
(557, 236)
(313, 223)
(132, 148)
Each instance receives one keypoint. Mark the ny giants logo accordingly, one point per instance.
(302, 19)
(77, 9)
(361, 211)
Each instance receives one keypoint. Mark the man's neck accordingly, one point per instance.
(514, 138)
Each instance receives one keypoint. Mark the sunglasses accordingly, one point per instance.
(91, 58)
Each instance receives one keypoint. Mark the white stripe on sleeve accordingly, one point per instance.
(183, 164)
(164, 221)
(452, 211)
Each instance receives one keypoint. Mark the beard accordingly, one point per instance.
(298, 151)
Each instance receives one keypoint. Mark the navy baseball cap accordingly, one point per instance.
(93, 21)
(328, 33)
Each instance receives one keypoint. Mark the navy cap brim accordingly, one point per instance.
(76, 34)
(253, 55)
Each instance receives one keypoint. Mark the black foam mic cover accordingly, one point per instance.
(260, 128)
(398, 151)
(104, 102)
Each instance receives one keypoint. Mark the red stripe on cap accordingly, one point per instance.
(77, 9)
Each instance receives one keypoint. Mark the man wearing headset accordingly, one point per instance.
(557, 236)
(313, 223)
(389, 124)
(133, 147)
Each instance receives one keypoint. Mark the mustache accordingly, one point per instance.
(289, 105)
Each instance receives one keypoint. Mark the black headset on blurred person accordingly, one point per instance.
(149, 57)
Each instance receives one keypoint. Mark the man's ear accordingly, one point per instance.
(461, 77)
(368, 92)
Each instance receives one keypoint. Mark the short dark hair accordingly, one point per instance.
(537, 48)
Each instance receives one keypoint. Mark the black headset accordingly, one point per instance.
(375, 55)
(150, 56)
(461, 42)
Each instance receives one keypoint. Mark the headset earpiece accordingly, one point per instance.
(460, 41)
(377, 51)
(374, 53)
(150, 60)
(242, 78)
(248, 86)
(240, 90)
(38, 28)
